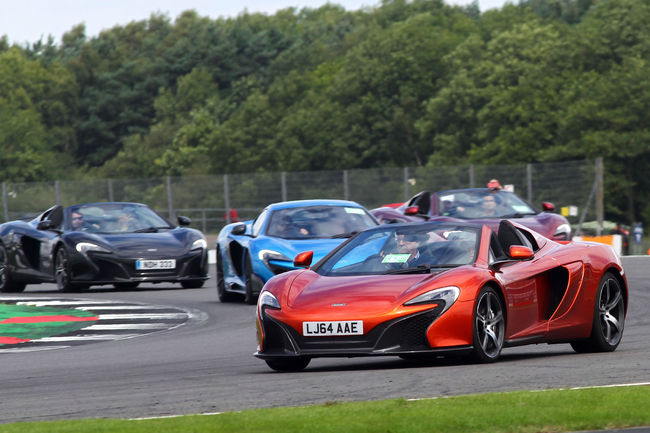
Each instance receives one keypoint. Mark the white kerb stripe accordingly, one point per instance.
(87, 337)
(122, 307)
(58, 303)
(113, 327)
(143, 316)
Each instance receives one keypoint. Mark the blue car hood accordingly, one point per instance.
(293, 247)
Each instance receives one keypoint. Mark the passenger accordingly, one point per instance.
(489, 206)
(126, 222)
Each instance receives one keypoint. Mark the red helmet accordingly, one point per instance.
(494, 185)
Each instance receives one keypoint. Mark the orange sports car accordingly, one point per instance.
(436, 288)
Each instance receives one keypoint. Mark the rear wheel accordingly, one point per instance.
(7, 283)
(62, 273)
(289, 364)
(224, 296)
(489, 326)
(609, 318)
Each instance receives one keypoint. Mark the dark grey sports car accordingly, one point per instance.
(122, 244)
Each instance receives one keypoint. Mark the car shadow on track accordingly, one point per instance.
(394, 363)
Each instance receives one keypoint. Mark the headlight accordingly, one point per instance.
(267, 300)
(446, 294)
(199, 244)
(84, 247)
(563, 229)
(266, 255)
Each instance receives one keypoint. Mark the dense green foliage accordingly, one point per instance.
(407, 83)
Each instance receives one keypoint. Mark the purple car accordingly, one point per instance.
(481, 205)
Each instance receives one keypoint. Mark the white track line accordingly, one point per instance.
(616, 385)
(123, 307)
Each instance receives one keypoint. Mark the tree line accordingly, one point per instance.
(404, 83)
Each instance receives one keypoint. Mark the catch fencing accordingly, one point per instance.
(575, 185)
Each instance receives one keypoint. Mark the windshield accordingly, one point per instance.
(412, 248)
(318, 222)
(114, 218)
(482, 203)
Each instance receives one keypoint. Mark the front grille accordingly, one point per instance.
(400, 335)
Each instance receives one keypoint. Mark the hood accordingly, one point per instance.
(293, 247)
(375, 293)
(162, 244)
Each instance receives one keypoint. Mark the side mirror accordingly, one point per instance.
(239, 229)
(520, 252)
(548, 206)
(45, 225)
(412, 210)
(303, 260)
(184, 221)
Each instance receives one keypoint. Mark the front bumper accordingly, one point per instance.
(401, 336)
(103, 268)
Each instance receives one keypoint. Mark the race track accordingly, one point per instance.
(206, 365)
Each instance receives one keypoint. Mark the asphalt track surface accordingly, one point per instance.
(206, 365)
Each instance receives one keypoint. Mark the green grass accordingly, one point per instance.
(542, 411)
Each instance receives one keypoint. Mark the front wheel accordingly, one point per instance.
(489, 326)
(289, 364)
(7, 283)
(62, 273)
(608, 319)
(253, 286)
(224, 295)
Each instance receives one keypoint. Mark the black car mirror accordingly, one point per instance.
(45, 225)
(239, 229)
(184, 221)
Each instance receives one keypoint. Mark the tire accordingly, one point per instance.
(290, 364)
(126, 286)
(608, 319)
(62, 273)
(224, 296)
(489, 326)
(252, 291)
(7, 283)
(192, 284)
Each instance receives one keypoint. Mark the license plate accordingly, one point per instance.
(323, 329)
(146, 265)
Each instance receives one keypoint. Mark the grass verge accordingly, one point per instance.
(526, 411)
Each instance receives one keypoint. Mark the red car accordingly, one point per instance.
(416, 290)
(480, 205)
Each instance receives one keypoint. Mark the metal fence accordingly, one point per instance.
(205, 199)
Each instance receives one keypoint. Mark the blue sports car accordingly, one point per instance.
(250, 253)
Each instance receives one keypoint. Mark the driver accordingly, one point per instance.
(77, 221)
(286, 228)
(410, 243)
